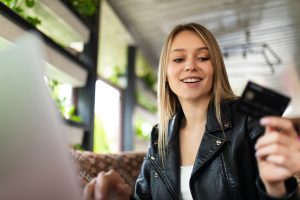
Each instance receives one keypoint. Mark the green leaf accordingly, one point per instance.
(85, 7)
(71, 110)
(75, 118)
(77, 147)
(7, 2)
(33, 20)
(18, 9)
(30, 3)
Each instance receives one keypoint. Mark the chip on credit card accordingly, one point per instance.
(258, 101)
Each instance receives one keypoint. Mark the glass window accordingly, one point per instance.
(107, 118)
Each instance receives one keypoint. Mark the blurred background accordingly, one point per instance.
(102, 56)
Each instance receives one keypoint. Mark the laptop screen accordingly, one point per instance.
(34, 162)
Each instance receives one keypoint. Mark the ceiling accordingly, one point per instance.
(275, 23)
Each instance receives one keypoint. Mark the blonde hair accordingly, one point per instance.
(168, 102)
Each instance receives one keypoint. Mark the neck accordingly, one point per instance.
(195, 112)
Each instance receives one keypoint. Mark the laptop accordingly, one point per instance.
(34, 161)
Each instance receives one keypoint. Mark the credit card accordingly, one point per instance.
(258, 101)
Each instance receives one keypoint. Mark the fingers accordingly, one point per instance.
(105, 181)
(277, 159)
(273, 149)
(124, 191)
(278, 144)
(88, 192)
(102, 186)
(279, 148)
(107, 185)
(277, 151)
(273, 137)
(278, 123)
(111, 183)
(115, 177)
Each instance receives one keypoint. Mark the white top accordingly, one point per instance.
(185, 175)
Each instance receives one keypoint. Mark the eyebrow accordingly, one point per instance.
(198, 49)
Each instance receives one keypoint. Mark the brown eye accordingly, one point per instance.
(178, 60)
(203, 59)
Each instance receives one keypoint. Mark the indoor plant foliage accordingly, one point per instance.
(21, 7)
(85, 8)
(145, 102)
(67, 111)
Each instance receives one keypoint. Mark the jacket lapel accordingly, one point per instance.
(170, 172)
(214, 137)
(209, 146)
(173, 154)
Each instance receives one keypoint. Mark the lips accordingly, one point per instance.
(191, 79)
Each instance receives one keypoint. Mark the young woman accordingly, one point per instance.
(203, 147)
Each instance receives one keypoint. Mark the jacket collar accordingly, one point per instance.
(174, 126)
(212, 124)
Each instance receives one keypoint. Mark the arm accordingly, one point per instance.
(143, 182)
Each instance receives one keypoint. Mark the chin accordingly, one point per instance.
(198, 97)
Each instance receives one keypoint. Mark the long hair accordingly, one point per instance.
(168, 102)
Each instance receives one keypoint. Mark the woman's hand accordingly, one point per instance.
(107, 185)
(278, 154)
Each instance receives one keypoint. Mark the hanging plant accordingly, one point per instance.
(150, 79)
(67, 111)
(146, 72)
(86, 8)
(117, 75)
(145, 102)
(19, 5)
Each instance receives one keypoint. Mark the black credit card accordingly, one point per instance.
(258, 101)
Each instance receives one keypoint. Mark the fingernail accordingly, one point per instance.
(263, 121)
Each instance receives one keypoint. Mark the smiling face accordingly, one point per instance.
(189, 69)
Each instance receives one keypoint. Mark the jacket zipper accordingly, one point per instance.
(162, 176)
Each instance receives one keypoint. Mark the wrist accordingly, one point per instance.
(275, 189)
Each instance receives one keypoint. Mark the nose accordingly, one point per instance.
(190, 65)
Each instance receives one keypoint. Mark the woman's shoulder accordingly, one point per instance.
(234, 105)
(154, 132)
(232, 101)
(231, 107)
(154, 137)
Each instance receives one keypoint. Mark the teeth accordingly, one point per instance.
(191, 80)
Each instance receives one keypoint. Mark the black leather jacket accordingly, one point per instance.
(225, 167)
